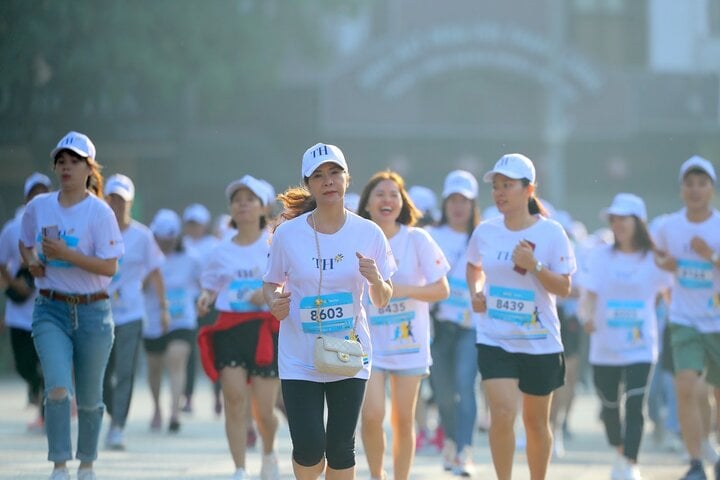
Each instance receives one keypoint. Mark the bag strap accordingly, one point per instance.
(318, 300)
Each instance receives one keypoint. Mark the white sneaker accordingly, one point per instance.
(464, 466)
(632, 472)
(449, 451)
(270, 469)
(115, 439)
(60, 474)
(240, 474)
(620, 465)
(709, 452)
(86, 474)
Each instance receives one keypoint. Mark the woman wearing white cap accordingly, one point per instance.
(688, 244)
(240, 348)
(518, 264)
(400, 332)
(167, 346)
(21, 293)
(71, 243)
(140, 264)
(623, 282)
(454, 355)
(323, 260)
(197, 237)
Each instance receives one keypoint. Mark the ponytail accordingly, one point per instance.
(296, 201)
(535, 206)
(94, 182)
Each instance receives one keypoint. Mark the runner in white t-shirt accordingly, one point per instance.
(400, 331)
(240, 348)
(688, 244)
(517, 265)
(20, 299)
(71, 243)
(323, 261)
(170, 323)
(623, 283)
(140, 263)
(454, 370)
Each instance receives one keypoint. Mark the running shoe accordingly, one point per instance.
(270, 469)
(60, 474)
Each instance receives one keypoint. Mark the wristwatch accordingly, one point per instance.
(539, 267)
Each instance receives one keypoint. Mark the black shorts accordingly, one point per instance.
(236, 346)
(666, 353)
(570, 330)
(536, 374)
(159, 345)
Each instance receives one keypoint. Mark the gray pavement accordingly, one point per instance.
(200, 452)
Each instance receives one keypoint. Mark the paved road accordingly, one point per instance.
(199, 451)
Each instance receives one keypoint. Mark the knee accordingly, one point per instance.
(403, 422)
(308, 454)
(57, 394)
(372, 416)
(502, 416)
(341, 455)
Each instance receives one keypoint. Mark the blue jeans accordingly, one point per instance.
(452, 376)
(71, 337)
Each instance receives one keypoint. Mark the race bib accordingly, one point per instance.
(336, 311)
(176, 302)
(457, 307)
(695, 274)
(398, 310)
(625, 317)
(239, 294)
(517, 310)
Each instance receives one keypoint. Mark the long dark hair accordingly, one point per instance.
(409, 214)
(641, 237)
(472, 221)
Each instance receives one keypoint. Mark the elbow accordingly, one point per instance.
(111, 268)
(443, 291)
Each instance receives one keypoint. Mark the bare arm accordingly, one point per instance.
(432, 292)
(587, 306)
(556, 283)
(155, 279)
(475, 277)
(30, 258)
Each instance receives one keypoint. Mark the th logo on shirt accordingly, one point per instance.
(327, 263)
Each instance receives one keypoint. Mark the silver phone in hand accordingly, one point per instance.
(52, 232)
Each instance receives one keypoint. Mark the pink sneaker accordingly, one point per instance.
(421, 441)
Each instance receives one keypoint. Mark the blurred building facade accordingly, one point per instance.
(605, 96)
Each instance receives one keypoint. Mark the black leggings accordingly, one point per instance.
(305, 405)
(27, 362)
(607, 382)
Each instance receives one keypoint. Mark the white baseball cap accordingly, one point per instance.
(462, 182)
(512, 165)
(196, 213)
(121, 185)
(321, 153)
(77, 142)
(256, 186)
(166, 224)
(424, 198)
(626, 204)
(270, 192)
(697, 162)
(36, 178)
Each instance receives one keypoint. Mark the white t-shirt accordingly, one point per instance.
(142, 256)
(88, 226)
(236, 271)
(202, 246)
(456, 308)
(293, 261)
(400, 331)
(626, 285)
(521, 315)
(181, 274)
(696, 292)
(17, 315)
